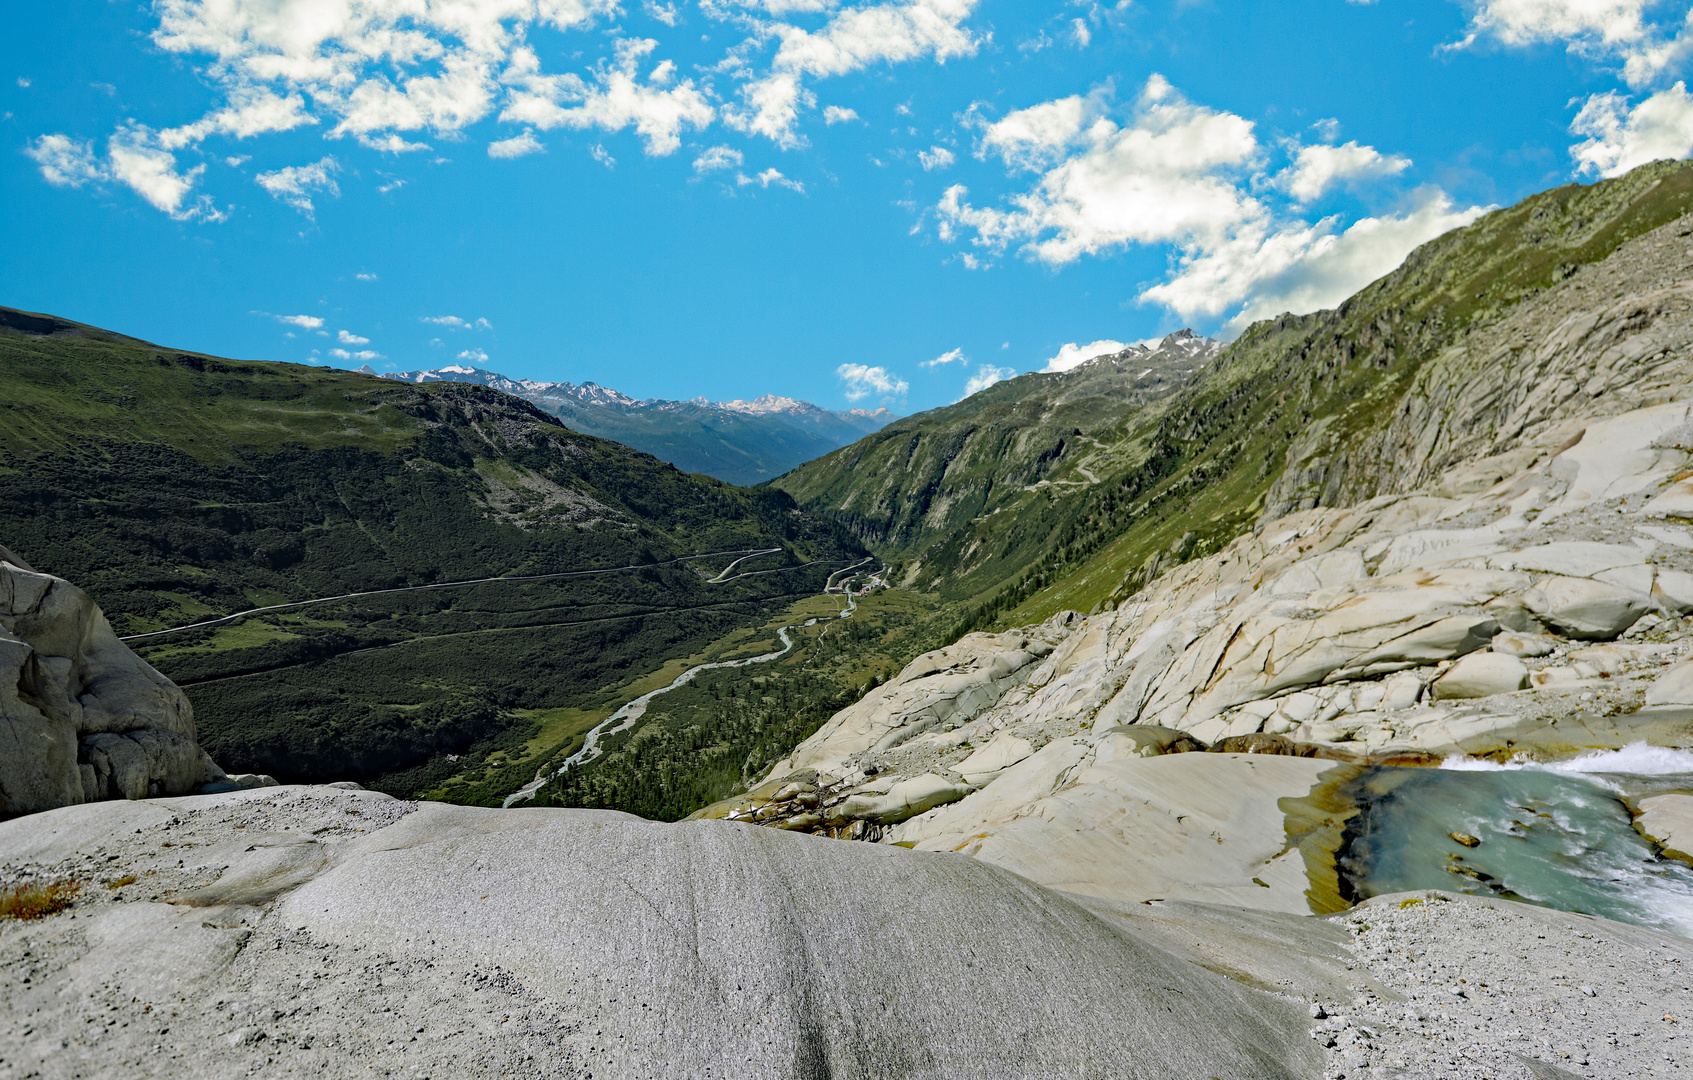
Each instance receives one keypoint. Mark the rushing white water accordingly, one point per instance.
(1556, 834)
(1635, 759)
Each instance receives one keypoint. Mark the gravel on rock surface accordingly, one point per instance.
(1490, 988)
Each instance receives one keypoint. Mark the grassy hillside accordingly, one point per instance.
(1187, 473)
(173, 486)
(970, 493)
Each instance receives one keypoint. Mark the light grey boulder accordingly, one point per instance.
(1481, 674)
(1514, 643)
(84, 717)
(1590, 610)
(1673, 687)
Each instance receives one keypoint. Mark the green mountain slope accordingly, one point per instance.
(1190, 471)
(968, 493)
(174, 486)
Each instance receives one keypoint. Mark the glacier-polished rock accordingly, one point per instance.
(84, 717)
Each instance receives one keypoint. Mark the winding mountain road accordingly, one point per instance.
(747, 553)
(627, 716)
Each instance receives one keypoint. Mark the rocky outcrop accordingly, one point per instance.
(82, 718)
(341, 930)
(1668, 821)
(1503, 567)
(310, 932)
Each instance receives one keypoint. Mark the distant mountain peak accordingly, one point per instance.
(743, 442)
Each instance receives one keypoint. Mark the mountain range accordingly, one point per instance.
(743, 442)
(177, 487)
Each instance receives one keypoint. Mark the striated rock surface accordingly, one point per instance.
(82, 718)
(341, 930)
(1502, 567)
(310, 932)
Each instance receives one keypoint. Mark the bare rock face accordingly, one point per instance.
(84, 718)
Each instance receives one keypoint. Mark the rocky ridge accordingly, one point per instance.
(1527, 589)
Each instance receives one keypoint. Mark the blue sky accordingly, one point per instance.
(854, 203)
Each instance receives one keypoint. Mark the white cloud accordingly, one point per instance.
(516, 146)
(23, 83)
(452, 321)
(1316, 169)
(305, 322)
(1181, 175)
(768, 177)
(1074, 355)
(852, 39)
(664, 13)
(295, 184)
(862, 381)
(718, 157)
(1620, 138)
(475, 356)
(600, 154)
(391, 143)
(947, 358)
(936, 157)
(986, 376)
(1267, 269)
(362, 354)
(1079, 33)
(835, 114)
(1327, 129)
(235, 161)
(1599, 30)
(615, 100)
(251, 111)
(365, 277)
(1171, 176)
(65, 162)
(484, 324)
(353, 339)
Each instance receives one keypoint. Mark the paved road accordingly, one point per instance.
(748, 552)
(626, 717)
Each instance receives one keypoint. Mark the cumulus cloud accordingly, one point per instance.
(835, 114)
(1316, 169)
(859, 382)
(1610, 31)
(304, 322)
(1074, 355)
(365, 277)
(615, 99)
(451, 321)
(1266, 268)
(936, 157)
(475, 356)
(517, 146)
(986, 376)
(954, 356)
(852, 39)
(362, 354)
(768, 177)
(1180, 175)
(600, 154)
(64, 162)
(295, 184)
(353, 339)
(718, 157)
(1620, 137)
